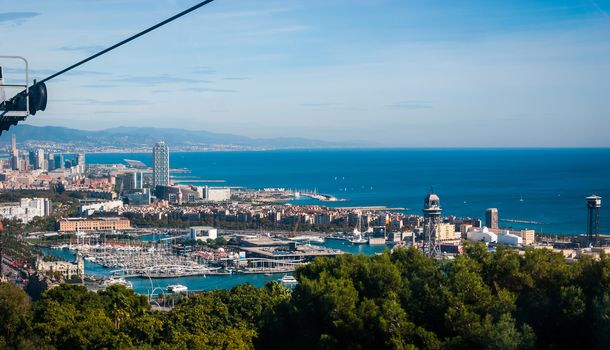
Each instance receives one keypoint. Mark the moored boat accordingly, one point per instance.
(288, 280)
(177, 288)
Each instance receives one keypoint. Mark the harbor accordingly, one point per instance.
(151, 265)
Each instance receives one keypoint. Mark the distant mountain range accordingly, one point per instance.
(133, 137)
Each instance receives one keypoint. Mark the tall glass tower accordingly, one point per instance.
(160, 165)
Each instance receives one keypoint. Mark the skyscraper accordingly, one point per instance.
(38, 161)
(160, 165)
(51, 162)
(14, 153)
(32, 158)
(491, 218)
(80, 159)
(79, 162)
(59, 161)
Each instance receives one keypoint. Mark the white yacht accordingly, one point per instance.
(358, 239)
(287, 279)
(177, 288)
(117, 281)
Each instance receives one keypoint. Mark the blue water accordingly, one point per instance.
(552, 182)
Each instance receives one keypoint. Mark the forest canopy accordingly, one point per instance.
(400, 300)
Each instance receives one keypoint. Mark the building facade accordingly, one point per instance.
(491, 218)
(100, 224)
(217, 194)
(65, 268)
(27, 209)
(202, 233)
(160, 165)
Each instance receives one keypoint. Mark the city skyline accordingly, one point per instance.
(360, 174)
(519, 74)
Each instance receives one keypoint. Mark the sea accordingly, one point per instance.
(545, 186)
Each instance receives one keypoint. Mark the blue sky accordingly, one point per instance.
(394, 73)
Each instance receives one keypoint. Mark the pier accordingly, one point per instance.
(523, 221)
(320, 196)
(375, 208)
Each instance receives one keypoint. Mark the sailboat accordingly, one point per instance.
(521, 200)
(358, 239)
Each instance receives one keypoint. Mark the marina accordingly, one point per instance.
(156, 278)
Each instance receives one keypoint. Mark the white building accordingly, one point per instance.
(202, 233)
(27, 209)
(89, 209)
(510, 239)
(217, 194)
(482, 235)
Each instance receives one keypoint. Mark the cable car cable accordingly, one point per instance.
(160, 24)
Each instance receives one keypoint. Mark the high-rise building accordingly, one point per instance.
(79, 162)
(51, 162)
(32, 158)
(593, 204)
(59, 161)
(160, 165)
(40, 158)
(14, 151)
(15, 163)
(491, 218)
(80, 159)
(129, 182)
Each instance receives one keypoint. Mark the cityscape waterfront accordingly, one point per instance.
(213, 174)
(136, 195)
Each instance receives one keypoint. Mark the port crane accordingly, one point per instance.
(33, 98)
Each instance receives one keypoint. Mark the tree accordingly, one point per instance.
(15, 314)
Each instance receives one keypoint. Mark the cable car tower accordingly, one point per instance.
(432, 219)
(593, 204)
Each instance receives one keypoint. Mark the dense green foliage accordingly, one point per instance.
(403, 300)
